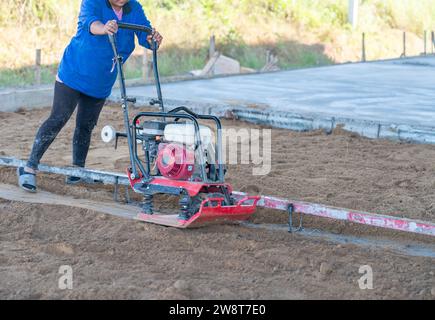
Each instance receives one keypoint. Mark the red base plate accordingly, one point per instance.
(207, 214)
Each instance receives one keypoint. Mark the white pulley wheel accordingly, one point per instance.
(108, 134)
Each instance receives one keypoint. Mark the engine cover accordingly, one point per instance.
(175, 161)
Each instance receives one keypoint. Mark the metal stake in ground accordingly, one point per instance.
(403, 55)
(363, 54)
(38, 58)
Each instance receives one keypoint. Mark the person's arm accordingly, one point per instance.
(144, 39)
(90, 17)
(89, 13)
(99, 29)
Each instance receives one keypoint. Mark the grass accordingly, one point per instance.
(300, 32)
(179, 61)
(26, 76)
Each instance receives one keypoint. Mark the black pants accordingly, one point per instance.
(64, 103)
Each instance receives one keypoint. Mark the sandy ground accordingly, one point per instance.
(116, 258)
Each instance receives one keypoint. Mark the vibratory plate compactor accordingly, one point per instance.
(181, 157)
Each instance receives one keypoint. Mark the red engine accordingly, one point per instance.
(175, 161)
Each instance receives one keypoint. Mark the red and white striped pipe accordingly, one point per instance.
(365, 218)
(370, 219)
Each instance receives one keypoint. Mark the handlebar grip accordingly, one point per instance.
(135, 27)
(140, 28)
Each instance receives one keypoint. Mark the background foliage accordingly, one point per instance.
(300, 32)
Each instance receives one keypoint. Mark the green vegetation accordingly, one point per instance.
(300, 32)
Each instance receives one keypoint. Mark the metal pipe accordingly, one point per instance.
(145, 173)
(425, 43)
(118, 61)
(363, 54)
(365, 218)
(404, 46)
(109, 178)
(432, 41)
(124, 98)
(157, 77)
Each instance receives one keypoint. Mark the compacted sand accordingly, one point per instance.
(117, 258)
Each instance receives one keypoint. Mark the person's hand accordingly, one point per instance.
(111, 27)
(155, 36)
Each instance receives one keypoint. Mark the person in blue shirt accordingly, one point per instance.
(85, 78)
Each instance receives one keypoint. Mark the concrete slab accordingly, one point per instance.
(33, 97)
(392, 99)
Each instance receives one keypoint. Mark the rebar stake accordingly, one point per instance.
(127, 196)
(116, 190)
(291, 210)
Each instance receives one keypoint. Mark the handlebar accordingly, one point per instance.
(135, 27)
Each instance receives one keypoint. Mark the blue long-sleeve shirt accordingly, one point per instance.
(87, 63)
